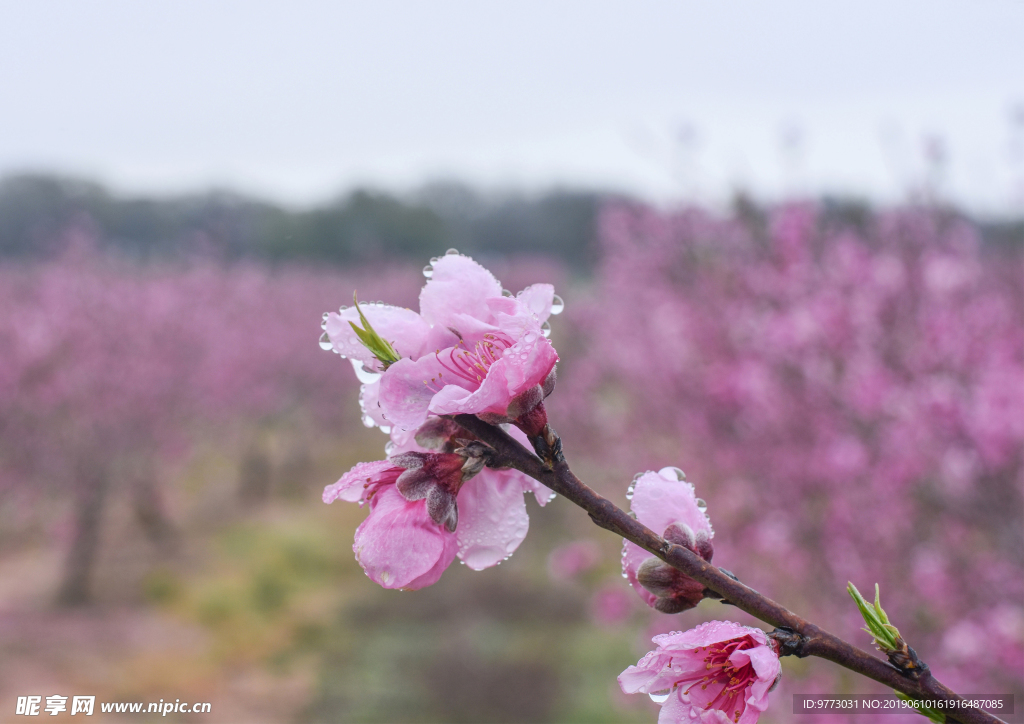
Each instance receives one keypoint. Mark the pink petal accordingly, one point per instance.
(350, 487)
(369, 402)
(677, 711)
(399, 546)
(403, 328)
(406, 390)
(492, 519)
(767, 667)
(710, 632)
(632, 557)
(530, 361)
(637, 678)
(471, 328)
(538, 298)
(660, 501)
(444, 560)
(491, 396)
(458, 286)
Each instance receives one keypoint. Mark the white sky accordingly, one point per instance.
(301, 100)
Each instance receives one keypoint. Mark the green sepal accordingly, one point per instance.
(886, 635)
(378, 346)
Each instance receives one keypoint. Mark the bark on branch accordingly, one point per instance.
(815, 641)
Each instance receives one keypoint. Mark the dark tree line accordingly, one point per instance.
(361, 226)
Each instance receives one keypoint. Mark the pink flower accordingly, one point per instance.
(399, 545)
(427, 508)
(719, 671)
(470, 350)
(665, 503)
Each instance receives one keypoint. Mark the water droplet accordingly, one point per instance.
(506, 293)
(545, 329)
(363, 373)
(660, 697)
(428, 271)
(325, 341)
(452, 252)
(327, 315)
(386, 429)
(672, 473)
(435, 259)
(701, 505)
(368, 421)
(637, 477)
(389, 448)
(557, 305)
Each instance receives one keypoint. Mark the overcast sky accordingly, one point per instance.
(301, 100)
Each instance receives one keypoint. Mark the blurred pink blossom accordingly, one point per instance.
(569, 560)
(611, 605)
(847, 386)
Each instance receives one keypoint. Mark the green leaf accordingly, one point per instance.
(935, 715)
(378, 346)
(885, 634)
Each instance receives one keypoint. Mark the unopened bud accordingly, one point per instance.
(674, 590)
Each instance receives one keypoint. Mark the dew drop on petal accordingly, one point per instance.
(386, 429)
(545, 329)
(363, 373)
(451, 252)
(701, 505)
(506, 293)
(428, 271)
(557, 305)
(325, 341)
(368, 421)
(672, 473)
(660, 697)
(389, 448)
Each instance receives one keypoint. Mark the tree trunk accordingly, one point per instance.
(75, 588)
(151, 515)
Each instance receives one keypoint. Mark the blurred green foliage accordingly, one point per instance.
(362, 226)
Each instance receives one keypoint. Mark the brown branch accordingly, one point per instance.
(813, 640)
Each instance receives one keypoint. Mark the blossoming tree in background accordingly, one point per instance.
(850, 391)
(109, 370)
(459, 387)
